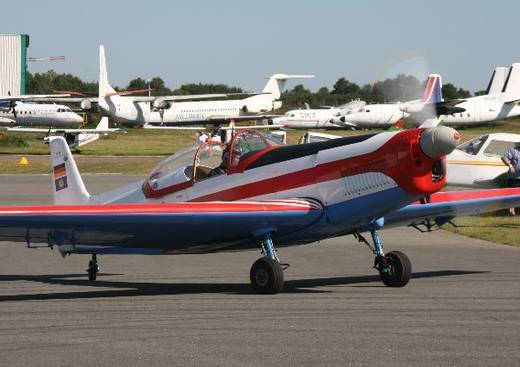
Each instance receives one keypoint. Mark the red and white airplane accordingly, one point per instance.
(256, 193)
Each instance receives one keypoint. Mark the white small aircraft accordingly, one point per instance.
(500, 102)
(75, 138)
(386, 115)
(321, 118)
(169, 111)
(478, 163)
(14, 112)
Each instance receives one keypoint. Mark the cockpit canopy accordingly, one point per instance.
(204, 161)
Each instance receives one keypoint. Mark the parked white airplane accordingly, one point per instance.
(13, 113)
(389, 114)
(75, 137)
(166, 111)
(321, 118)
(498, 104)
(478, 163)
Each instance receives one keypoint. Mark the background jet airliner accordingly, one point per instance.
(268, 193)
(166, 111)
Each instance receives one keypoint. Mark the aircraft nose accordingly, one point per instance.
(438, 141)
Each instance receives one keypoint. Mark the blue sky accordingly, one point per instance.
(242, 42)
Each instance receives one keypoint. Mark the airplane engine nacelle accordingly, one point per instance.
(161, 104)
(85, 104)
(277, 105)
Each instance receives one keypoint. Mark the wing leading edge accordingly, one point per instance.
(160, 228)
(443, 206)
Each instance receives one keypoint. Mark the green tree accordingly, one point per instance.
(343, 86)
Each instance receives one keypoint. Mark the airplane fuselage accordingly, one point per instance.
(124, 110)
(376, 116)
(309, 118)
(482, 109)
(39, 114)
(356, 179)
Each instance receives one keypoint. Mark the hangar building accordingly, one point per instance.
(13, 63)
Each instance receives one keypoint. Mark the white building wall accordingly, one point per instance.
(11, 64)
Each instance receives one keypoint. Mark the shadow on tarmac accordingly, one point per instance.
(132, 289)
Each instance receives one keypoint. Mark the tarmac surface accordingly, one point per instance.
(462, 306)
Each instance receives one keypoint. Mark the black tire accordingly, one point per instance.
(400, 270)
(266, 276)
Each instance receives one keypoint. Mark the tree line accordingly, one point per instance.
(401, 88)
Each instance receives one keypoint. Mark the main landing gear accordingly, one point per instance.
(394, 268)
(267, 273)
(93, 268)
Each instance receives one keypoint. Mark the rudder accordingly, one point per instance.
(511, 89)
(67, 186)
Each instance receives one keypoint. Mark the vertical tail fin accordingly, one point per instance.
(433, 91)
(511, 89)
(498, 78)
(103, 123)
(104, 86)
(67, 186)
(276, 83)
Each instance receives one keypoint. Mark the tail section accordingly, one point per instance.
(276, 83)
(104, 86)
(433, 91)
(103, 124)
(511, 89)
(498, 78)
(67, 186)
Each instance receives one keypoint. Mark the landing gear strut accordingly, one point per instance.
(93, 268)
(394, 268)
(267, 273)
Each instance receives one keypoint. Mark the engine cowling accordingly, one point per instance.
(161, 104)
(85, 104)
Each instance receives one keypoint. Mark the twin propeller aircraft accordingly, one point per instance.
(255, 193)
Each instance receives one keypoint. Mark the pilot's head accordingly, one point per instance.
(235, 158)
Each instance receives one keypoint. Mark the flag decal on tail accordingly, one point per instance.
(60, 177)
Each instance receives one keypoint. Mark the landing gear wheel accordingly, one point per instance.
(266, 276)
(93, 268)
(399, 269)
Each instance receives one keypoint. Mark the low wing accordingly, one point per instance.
(144, 228)
(32, 97)
(49, 98)
(21, 129)
(443, 206)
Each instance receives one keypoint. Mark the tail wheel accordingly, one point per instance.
(266, 276)
(399, 269)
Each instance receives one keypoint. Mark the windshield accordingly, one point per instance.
(248, 142)
(175, 169)
(496, 148)
(473, 146)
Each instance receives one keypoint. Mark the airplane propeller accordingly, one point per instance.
(12, 105)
